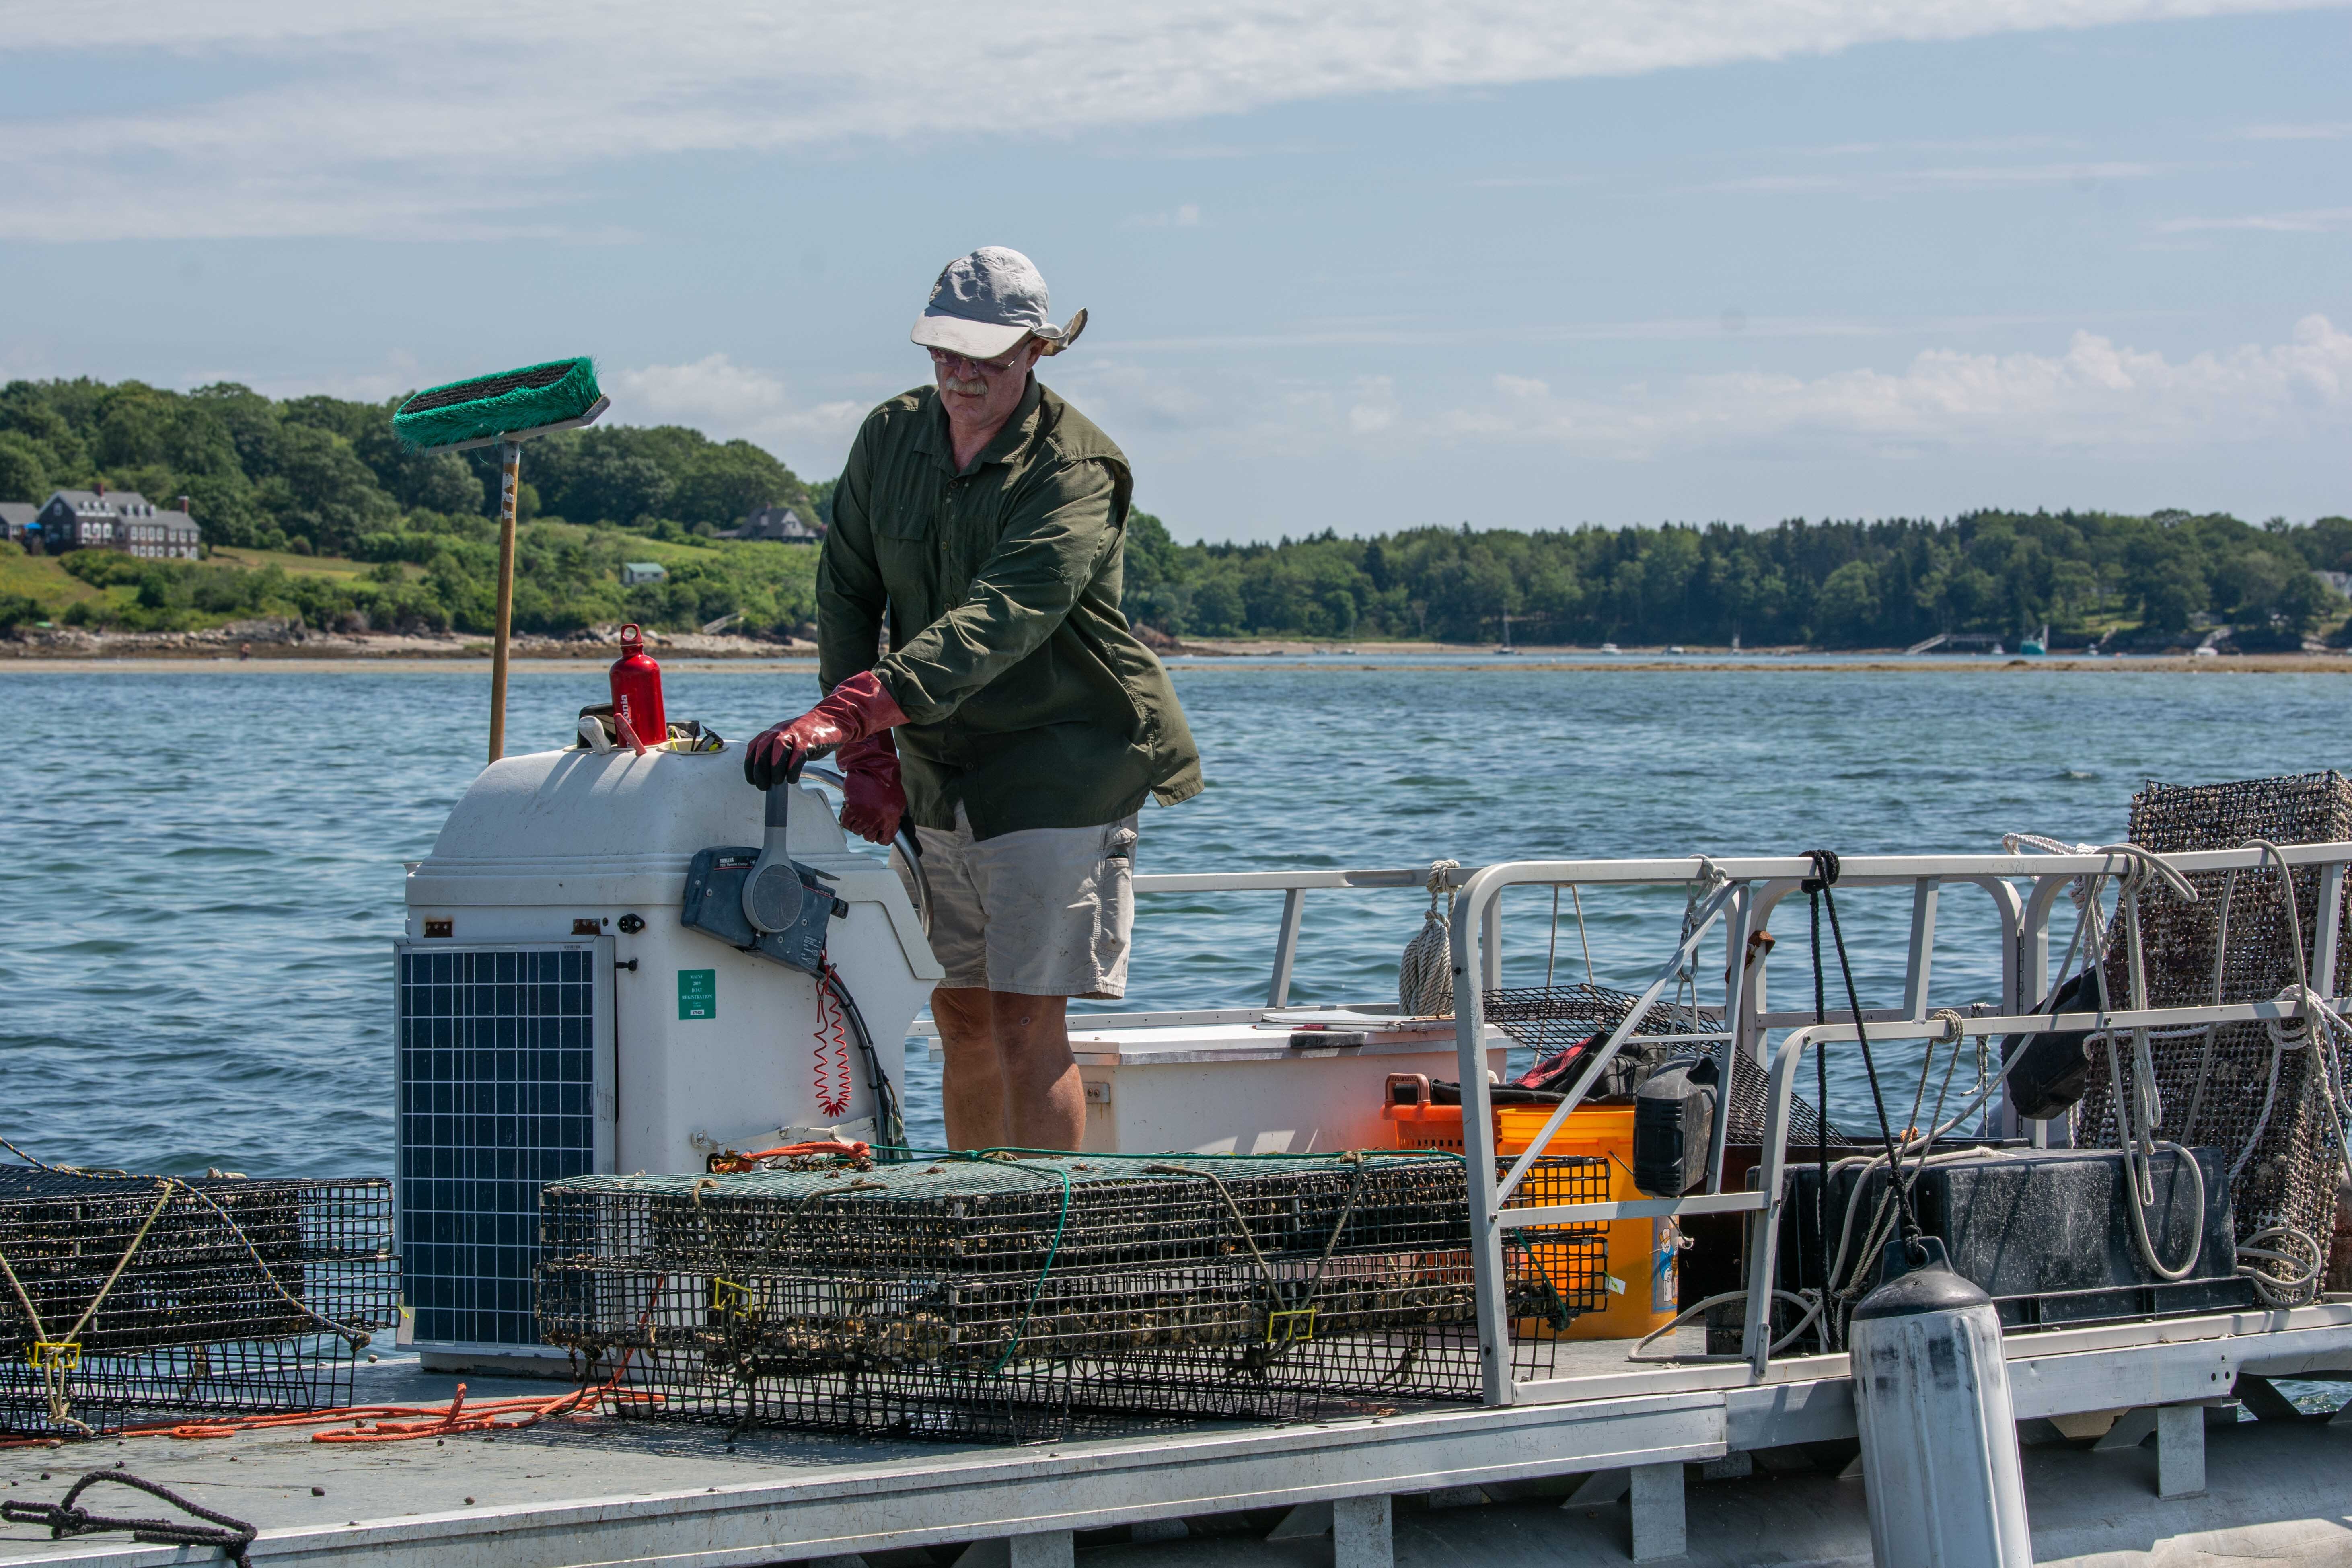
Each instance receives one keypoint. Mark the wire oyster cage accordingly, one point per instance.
(1024, 1300)
(2265, 1098)
(1549, 1019)
(129, 1298)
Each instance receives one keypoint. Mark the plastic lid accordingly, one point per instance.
(1917, 1278)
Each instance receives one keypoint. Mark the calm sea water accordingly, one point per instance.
(203, 868)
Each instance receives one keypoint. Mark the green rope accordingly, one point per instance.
(1053, 1250)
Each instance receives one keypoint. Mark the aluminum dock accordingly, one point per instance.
(1703, 1463)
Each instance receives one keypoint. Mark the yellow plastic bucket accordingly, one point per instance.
(1643, 1282)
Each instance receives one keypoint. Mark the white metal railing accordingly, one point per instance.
(1293, 887)
(1741, 893)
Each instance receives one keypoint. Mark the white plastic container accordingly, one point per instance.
(1244, 1088)
(712, 1046)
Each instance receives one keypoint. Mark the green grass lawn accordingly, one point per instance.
(287, 562)
(43, 580)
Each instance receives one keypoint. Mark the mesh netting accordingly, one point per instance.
(1030, 1299)
(1751, 1093)
(235, 1296)
(2217, 1087)
(1549, 1019)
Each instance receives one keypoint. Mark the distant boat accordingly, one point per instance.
(1609, 647)
(2036, 646)
(1675, 647)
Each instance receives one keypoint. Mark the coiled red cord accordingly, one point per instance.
(831, 1031)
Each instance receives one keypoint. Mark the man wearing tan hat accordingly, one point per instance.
(982, 516)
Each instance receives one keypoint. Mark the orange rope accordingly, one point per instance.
(392, 1423)
(734, 1164)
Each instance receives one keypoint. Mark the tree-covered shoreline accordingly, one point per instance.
(2142, 581)
(320, 477)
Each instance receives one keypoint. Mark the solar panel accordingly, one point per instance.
(504, 1083)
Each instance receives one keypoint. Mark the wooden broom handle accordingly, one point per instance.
(509, 485)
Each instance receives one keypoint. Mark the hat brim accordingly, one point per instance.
(979, 340)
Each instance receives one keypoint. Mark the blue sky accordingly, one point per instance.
(1363, 265)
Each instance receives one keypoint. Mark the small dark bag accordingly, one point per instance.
(2048, 1072)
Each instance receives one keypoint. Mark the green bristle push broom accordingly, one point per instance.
(505, 410)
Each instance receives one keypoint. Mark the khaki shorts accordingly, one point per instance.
(1045, 912)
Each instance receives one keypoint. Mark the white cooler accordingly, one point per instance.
(1244, 1089)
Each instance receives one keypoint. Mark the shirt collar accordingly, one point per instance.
(933, 435)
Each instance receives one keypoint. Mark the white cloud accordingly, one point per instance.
(439, 117)
(1375, 408)
(1990, 177)
(1669, 329)
(2096, 397)
(2021, 143)
(400, 373)
(2310, 220)
(726, 400)
(2324, 131)
(1185, 217)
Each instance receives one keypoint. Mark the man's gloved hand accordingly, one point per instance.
(857, 708)
(872, 802)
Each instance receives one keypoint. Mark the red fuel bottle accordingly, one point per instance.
(637, 689)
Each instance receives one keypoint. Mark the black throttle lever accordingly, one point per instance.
(773, 892)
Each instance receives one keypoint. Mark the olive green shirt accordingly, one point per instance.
(1028, 698)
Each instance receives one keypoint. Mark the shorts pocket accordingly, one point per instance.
(1115, 895)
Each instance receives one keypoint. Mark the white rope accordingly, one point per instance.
(2317, 1026)
(2141, 1112)
(1425, 973)
(2298, 1287)
(1586, 941)
(1551, 948)
(1880, 1229)
(1811, 1300)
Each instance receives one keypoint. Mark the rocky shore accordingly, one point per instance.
(278, 639)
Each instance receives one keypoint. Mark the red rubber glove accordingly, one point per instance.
(852, 711)
(872, 802)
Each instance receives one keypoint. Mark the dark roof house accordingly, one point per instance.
(115, 519)
(779, 524)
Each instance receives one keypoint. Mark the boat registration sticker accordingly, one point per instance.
(697, 993)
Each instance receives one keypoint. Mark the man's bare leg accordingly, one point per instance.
(1045, 1103)
(1010, 1080)
(973, 1079)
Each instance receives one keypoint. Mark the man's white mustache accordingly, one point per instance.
(974, 388)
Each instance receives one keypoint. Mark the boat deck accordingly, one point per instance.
(612, 1490)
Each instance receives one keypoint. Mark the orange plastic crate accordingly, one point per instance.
(1644, 1284)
